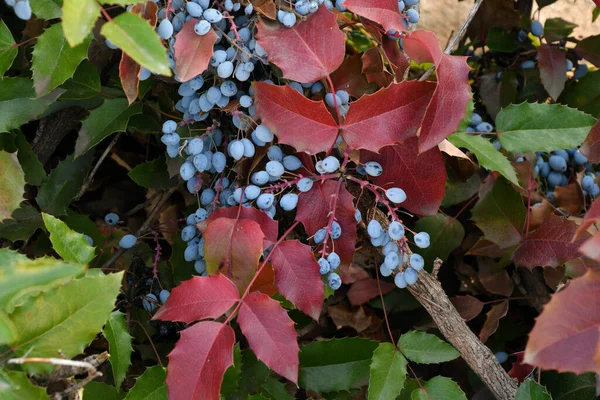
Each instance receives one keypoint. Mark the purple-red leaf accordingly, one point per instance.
(349, 77)
(192, 51)
(591, 247)
(199, 298)
(233, 248)
(492, 320)
(297, 276)
(295, 120)
(388, 116)
(422, 46)
(267, 225)
(553, 69)
(309, 51)
(314, 212)
(364, 290)
(550, 244)
(199, 360)
(270, 333)
(384, 12)
(591, 145)
(566, 335)
(421, 176)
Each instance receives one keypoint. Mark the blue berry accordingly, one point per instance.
(320, 235)
(149, 302)
(165, 29)
(169, 126)
(417, 262)
(260, 178)
(501, 356)
(528, 64)
(395, 195)
(200, 266)
(557, 163)
(413, 16)
(334, 281)
(384, 270)
(324, 267)
(579, 158)
(89, 240)
(330, 164)
(164, 295)
(411, 276)
(392, 260)
(399, 280)
(111, 219)
(127, 241)
(357, 216)
(374, 229)
(484, 127)
(537, 29)
(187, 171)
(373, 168)
(265, 201)
(396, 230)
(336, 230)
(288, 201)
(422, 240)
(291, 163)
(188, 233)
(334, 260)
(304, 185)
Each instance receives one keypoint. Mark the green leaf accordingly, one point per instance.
(46, 9)
(500, 214)
(78, 19)
(14, 385)
(274, 389)
(526, 127)
(254, 374)
(17, 105)
(70, 245)
(425, 348)
(531, 390)
(409, 386)
(7, 52)
(439, 388)
(595, 14)
(122, 2)
(569, 386)
(387, 372)
(63, 184)
(584, 94)
(110, 117)
(20, 276)
(119, 345)
(8, 331)
(334, 365)
(101, 391)
(152, 174)
(12, 184)
(33, 168)
(65, 318)
(134, 35)
(150, 386)
(85, 83)
(24, 222)
(231, 378)
(557, 29)
(54, 61)
(446, 234)
(487, 155)
(83, 224)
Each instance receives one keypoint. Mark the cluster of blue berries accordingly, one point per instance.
(21, 8)
(150, 302)
(558, 167)
(479, 125)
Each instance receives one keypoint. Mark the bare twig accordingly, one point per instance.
(90, 177)
(457, 37)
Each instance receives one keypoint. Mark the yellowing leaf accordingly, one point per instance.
(70, 245)
(78, 19)
(12, 184)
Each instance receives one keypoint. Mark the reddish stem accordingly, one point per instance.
(464, 207)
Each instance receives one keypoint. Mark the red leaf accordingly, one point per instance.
(349, 77)
(367, 289)
(270, 333)
(421, 176)
(566, 335)
(492, 320)
(265, 281)
(297, 276)
(295, 120)
(591, 145)
(193, 52)
(519, 369)
(233, 247)
(313, 212)
(550, 244)
(553, 69)
(399, 61)
(199, 298)
(591, 248)
(309, 51)
(448, 105)
(388, 116)
(467, 306)
(384, 12)
(267, 225)
(129, 70)
(199, 360)
(374, 68)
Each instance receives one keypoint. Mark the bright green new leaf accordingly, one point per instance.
(334, 365)
(8, 332)
(78, 19)
(531, 390)
(70, 245)
(7, 52)
(388, 372)
(150, 385)
(439, 388)
(46, 9)
(54, 61)
(487, 155)
(134, 35)
(63, 184)
(12, 184)
(24, 222)
(110, 117)
(526, 127)
(152, 174)
(14, 385)
(20, 276)
(18, 105)
(500, 214)
(446, 234)
(119, 345)
(425, 348)
(101, 391)
(67, 318)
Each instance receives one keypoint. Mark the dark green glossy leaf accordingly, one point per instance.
(33, 168)
(153, 174)
(568, 386)
(150, 386)
(439, 388)
(387, 373)
(7, 52)
(425, 348)
(557, 29)
(531, 390)
(231, 378)
(85, 83)
(445, 233)
(23, 223)
(584, 94)
(101, 391)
